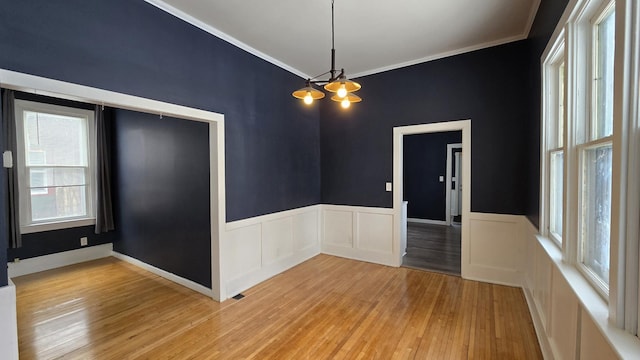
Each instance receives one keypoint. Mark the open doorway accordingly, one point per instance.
(432, 192)
(443, 227)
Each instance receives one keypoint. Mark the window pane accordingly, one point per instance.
(46, 177)
(556, 194)
(59, 202)
(55, 140)
(596, 210)
(605, 45)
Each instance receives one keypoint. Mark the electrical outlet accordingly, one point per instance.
(83, 241)
(388, 186)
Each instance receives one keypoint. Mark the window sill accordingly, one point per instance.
(58, 225)
(624, 344)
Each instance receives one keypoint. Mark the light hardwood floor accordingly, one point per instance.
(325, 308)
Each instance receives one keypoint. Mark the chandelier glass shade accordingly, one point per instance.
(337, 82)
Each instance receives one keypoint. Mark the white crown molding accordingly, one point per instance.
(441, 55)
(221, 35)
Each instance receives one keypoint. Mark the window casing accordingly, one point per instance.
(554, 150)
(55, 163)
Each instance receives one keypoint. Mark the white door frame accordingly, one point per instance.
(398, 135)
(449, 178)
(65, 90)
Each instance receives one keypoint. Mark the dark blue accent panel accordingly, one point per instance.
(491, 87)
(424, 161)
(547, 18)
(272, 141)
(161, 176)
(55, 241)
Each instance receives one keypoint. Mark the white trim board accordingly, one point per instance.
(448, 180)
(164, 274)
(426, 221)
(53, 261)
(8, 322)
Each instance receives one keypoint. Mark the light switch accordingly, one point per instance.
(389, 186)
(7, 159)
(441, 178)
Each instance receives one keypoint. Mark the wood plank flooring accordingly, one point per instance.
(324, 308)
(433, 247)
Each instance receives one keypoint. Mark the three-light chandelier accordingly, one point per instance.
(337, 82)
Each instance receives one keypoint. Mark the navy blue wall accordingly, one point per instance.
(491, 87)
(55, 241)
(272, 140)
(161, 177)
(424, 161)
(546, 20)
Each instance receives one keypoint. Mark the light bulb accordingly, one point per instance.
(342, 91)
(345, 103)
(308, 99)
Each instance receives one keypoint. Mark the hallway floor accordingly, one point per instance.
(433, 247)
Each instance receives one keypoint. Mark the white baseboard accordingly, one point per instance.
(52, 261)
(164, 274)
(426, 221)
(8, 322)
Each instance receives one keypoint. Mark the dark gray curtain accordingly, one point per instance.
(10, 143)
(104, 207)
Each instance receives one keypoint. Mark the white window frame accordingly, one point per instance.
(576, 30)
(26, 223)
(584, 126)
(550, 73)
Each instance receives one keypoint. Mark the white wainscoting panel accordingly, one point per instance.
(374, 232)
(306, 232)
(258, 248)
(542, 283)
(277, 240)
(593, 345)
(8, 323)
(564, 318)
(495, 250)
(338, 227)
(359, 233)
(243, 253)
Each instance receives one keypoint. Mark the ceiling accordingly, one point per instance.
(370, 35)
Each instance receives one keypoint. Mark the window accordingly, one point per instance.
(595, 157)
(55, 171)
(598, 40)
